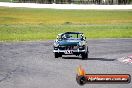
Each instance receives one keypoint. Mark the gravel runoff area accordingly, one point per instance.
(66, 6)
(32, 64)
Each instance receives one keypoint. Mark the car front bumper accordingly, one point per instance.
(64, 51)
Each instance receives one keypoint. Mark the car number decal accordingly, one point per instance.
(68, 52)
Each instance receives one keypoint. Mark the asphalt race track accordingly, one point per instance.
(32, 64)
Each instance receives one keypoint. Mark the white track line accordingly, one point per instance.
(127, 59)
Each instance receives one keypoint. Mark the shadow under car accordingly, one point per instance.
(97, 58)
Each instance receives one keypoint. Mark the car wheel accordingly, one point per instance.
(60, 55)
(84, 56)
(56, 55)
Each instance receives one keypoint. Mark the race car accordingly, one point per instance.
(70, 43)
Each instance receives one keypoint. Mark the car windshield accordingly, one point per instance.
(72, 36)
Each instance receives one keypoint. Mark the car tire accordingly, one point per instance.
(85, 55)
(60, 55)
(56, 55)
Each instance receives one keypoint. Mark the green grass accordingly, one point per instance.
(22, 24)
(49, 16)
(5, 0)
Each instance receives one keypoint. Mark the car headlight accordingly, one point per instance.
(82, 43)
(56, 44)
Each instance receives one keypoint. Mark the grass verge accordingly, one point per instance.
(44, 32)
(22, 24)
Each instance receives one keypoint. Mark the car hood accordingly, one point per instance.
(69, 42)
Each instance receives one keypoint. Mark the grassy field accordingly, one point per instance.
(8, 0)
(5, 0)
(20, 24)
